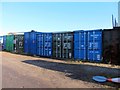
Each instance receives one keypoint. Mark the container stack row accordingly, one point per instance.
(86, 45)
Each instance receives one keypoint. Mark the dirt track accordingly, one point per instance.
(20, 71)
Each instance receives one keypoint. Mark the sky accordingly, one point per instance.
(57, 16)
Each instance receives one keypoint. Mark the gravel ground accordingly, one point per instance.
(31, 72)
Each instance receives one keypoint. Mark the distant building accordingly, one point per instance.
(119, 13)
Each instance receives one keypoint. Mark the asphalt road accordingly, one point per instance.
(16, 73)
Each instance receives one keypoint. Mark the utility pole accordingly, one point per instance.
(113, 20)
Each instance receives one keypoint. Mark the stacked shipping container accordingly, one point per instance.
(63, 45)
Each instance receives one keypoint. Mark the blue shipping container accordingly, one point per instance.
(80, 45)
(94, 43)
(4, 42)
(30, 46)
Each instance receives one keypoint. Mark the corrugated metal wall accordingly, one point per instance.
(63, 45)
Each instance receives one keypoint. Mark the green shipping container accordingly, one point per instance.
(10, 43)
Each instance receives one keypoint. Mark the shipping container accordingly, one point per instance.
(94, 45)
(44, 44)
(80, 49)
(19, 42)
(4, 42)
(30, 45)
(111, 45)
(63, 45)
(10, 43)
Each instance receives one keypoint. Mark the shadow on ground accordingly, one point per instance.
(78, 71)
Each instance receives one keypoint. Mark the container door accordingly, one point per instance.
(27, 42)
(80, 45)
(67, 39)
(40, 44)
(19, 43)
(57, 45)
(48, 44)
(94, 50)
